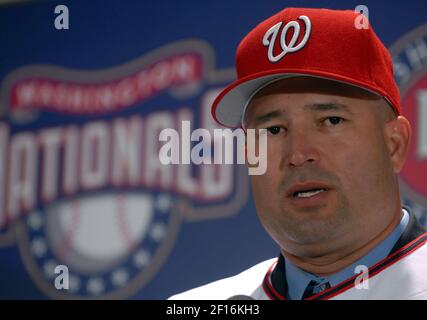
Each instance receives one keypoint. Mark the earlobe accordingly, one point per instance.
(398, 134)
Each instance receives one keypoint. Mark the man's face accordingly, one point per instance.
(330, 179)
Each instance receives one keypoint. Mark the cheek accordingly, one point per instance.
(264, 189)
(358, 164)
(276, 154)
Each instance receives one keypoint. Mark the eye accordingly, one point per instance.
(332, 121)
(274, 130)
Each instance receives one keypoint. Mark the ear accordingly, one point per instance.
(398, 134)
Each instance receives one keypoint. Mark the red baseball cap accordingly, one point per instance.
(330, 44)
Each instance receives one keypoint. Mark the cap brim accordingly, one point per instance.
(229, 107)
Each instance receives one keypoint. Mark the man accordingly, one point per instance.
(324, 91)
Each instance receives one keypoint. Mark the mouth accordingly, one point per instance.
(307, 190)
(308, 193)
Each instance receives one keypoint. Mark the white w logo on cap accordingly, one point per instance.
(274, 30)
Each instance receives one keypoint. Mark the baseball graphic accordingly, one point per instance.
(99, 230)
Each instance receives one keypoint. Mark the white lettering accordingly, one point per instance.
(155, 172)
(416, 53)
(71, 160)
(50, 140)
(4, 136)
(23, 174)
(422, 124)
(94, 158)
(126, 158)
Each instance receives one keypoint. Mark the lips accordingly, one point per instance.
(307, 189)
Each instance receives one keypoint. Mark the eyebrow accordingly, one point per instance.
(268, 116)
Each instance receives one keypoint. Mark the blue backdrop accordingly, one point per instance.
(186, 237)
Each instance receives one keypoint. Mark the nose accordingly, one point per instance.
(302, 148)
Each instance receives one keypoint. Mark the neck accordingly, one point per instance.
(335, 261)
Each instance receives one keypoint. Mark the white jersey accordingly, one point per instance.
(401, 275)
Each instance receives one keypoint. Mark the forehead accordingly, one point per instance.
(306, 88)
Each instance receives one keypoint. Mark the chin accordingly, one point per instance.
(316, 226)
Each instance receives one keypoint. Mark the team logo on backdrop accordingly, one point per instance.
(81, 183)
(409, 55)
